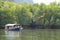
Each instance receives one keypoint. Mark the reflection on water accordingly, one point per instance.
(9, 35)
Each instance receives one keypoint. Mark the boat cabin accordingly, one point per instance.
(13, 27)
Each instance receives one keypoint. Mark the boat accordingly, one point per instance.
(14, 27)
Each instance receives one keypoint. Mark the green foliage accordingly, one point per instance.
(23, 13)
(7, 13)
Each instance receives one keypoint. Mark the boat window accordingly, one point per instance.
(7, 27)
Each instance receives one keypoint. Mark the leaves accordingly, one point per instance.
(42, 14)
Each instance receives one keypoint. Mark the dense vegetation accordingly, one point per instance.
(24, 13)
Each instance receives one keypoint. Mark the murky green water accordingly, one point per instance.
(26, 34)
(9, 35)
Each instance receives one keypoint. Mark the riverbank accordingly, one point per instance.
(2, 27)
(38, 27)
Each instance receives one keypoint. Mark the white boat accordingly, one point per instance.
(15, 27)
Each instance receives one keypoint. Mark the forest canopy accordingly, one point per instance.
(11, 12)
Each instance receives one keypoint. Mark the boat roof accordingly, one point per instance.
(10, 25)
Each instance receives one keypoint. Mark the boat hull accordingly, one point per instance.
(15, 29)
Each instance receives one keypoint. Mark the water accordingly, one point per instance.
(9, 35)
(27, 34)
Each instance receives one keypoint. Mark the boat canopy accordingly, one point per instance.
(10, 25)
